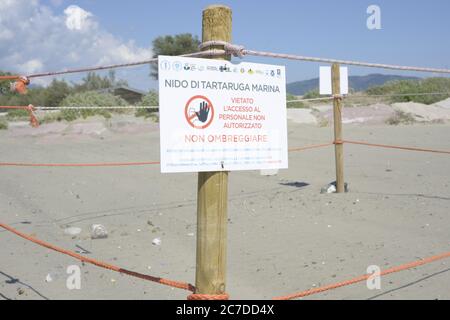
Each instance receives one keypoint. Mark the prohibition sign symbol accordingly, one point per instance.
(199, 112)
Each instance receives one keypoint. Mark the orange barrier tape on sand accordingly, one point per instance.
(102, 164)
(119, 164)
(224, 296)
(171, 283)
(364, 277)
(392, 147)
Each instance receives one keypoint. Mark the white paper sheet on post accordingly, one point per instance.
(325, 80)
(220, 116)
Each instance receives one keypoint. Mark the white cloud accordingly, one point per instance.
(78, 18)
(35, 39)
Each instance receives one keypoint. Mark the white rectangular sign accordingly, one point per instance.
(220, 116)
(325, 80)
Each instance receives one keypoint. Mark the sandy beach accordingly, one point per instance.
(283, 235)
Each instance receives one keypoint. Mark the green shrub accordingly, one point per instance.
(151, 99)
(293, 105)
(313, 94)
(90, 99)
(400, 117)
(414, 90)
(51, 117)
(17, 114)
(3, 124)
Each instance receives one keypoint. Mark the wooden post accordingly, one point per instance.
(212, 194)
(339, 147)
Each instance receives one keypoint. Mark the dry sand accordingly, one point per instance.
(284, 236)
(423, 113)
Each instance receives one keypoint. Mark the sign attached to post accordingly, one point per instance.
(219, 116)
(325, 80)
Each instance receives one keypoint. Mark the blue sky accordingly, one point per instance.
(413, 33)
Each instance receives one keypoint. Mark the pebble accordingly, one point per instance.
(72, 231)
(98, 231)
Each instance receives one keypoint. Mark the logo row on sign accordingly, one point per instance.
(179, 66)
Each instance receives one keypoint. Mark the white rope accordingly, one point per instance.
(372, 95)
(208, 53)
(240, 51)
(94, 107)
(40, 108)
(402, 94)
(311, 99)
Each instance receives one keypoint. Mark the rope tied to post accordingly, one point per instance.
(228, 48)
(33, 119)
(234, 49)
(240, 51)
(30, 108)
(20, 85)
(208, 297)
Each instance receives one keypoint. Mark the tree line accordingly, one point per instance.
(53, 94)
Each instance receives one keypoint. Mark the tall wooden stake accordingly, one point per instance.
(339, 147)
(212, 194)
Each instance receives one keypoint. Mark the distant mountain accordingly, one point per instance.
(357, 83)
